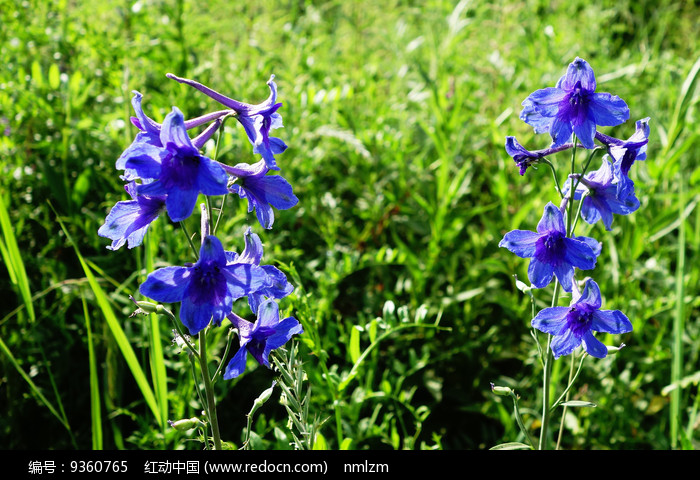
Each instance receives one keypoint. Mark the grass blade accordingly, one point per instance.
(13, 260)
(117, 331)
(95, 410)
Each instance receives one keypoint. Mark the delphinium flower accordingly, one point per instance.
(602, 196)
(177, 169)
(207, 288)
(551, 251)
(260, 338)
(262, 191)
(276, 286)
(525, 158)
(257, 120)
(573, 106)
(626, 152)
(128, 220)
(574, 325)
(149, 133)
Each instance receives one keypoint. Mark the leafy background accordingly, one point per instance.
(396, 114)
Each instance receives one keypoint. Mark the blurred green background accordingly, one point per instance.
(395, 114)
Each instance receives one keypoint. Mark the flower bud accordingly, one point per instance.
(613, 350)
(503, 391)
(186, 423)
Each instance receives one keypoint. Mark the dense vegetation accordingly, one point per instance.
(395, 114)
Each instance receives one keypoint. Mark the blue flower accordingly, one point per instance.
(276, 285)
(602, 198)
(572, 106)
(128, 220)
(259, 339)
(551, 251)
(574, 325)
(205, 289)
(176, 169)
(525, 158)
(150, 134)
(625, 153)
(262, 191)
(257, 120)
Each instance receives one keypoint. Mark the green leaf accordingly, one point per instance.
(354, 348)
(511, 446)
(578, 403)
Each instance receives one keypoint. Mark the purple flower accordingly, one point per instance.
(574, 325)
(129, 220)
(525, 158)
(625, 153)
(257, 120)
(260, 338)
(603, 197)
(177, 168)
(262, 191)
(150, 134)
(207, 288)
(551, 251)
(572, 106)
(276, 285)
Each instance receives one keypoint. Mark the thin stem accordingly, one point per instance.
(209, 390)
(189, 239)
(563, 414)
(548, 359)
(519, 419)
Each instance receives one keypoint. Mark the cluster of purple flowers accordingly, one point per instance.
(165, 171)
(571, 112)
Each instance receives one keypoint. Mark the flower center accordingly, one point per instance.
(179, 170)
(208, 283)
(579, 320)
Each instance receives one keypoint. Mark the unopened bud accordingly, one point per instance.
(613, 350)
(186, 423)
(504, 391)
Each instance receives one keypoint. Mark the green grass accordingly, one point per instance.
(395, 115)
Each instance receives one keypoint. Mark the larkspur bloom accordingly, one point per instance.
(260, 338)
(573, 106)
(176, 169)
(602, 198)
(262, 191)
(626, 152)
(257, 120)
(150, 134)
(205, 289)
(525, 158)
(128, 220)
(275, 287)
(574, 325)
(550, 251)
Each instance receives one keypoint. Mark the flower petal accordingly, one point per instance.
(539, 273)
(564, 344)
(166, 284)
(593, 346)
(237, 364)
(552, 220)
(551, 320)
(520, 242)
(611, 321)
(608, 110)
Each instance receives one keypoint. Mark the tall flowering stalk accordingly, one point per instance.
(166, 172)
(571, 112)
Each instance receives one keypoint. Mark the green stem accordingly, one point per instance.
(548, 359)
(189, 239)
(209, 390)
(566, 395)
(519, 419)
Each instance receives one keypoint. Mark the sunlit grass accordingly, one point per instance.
(395, 115)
